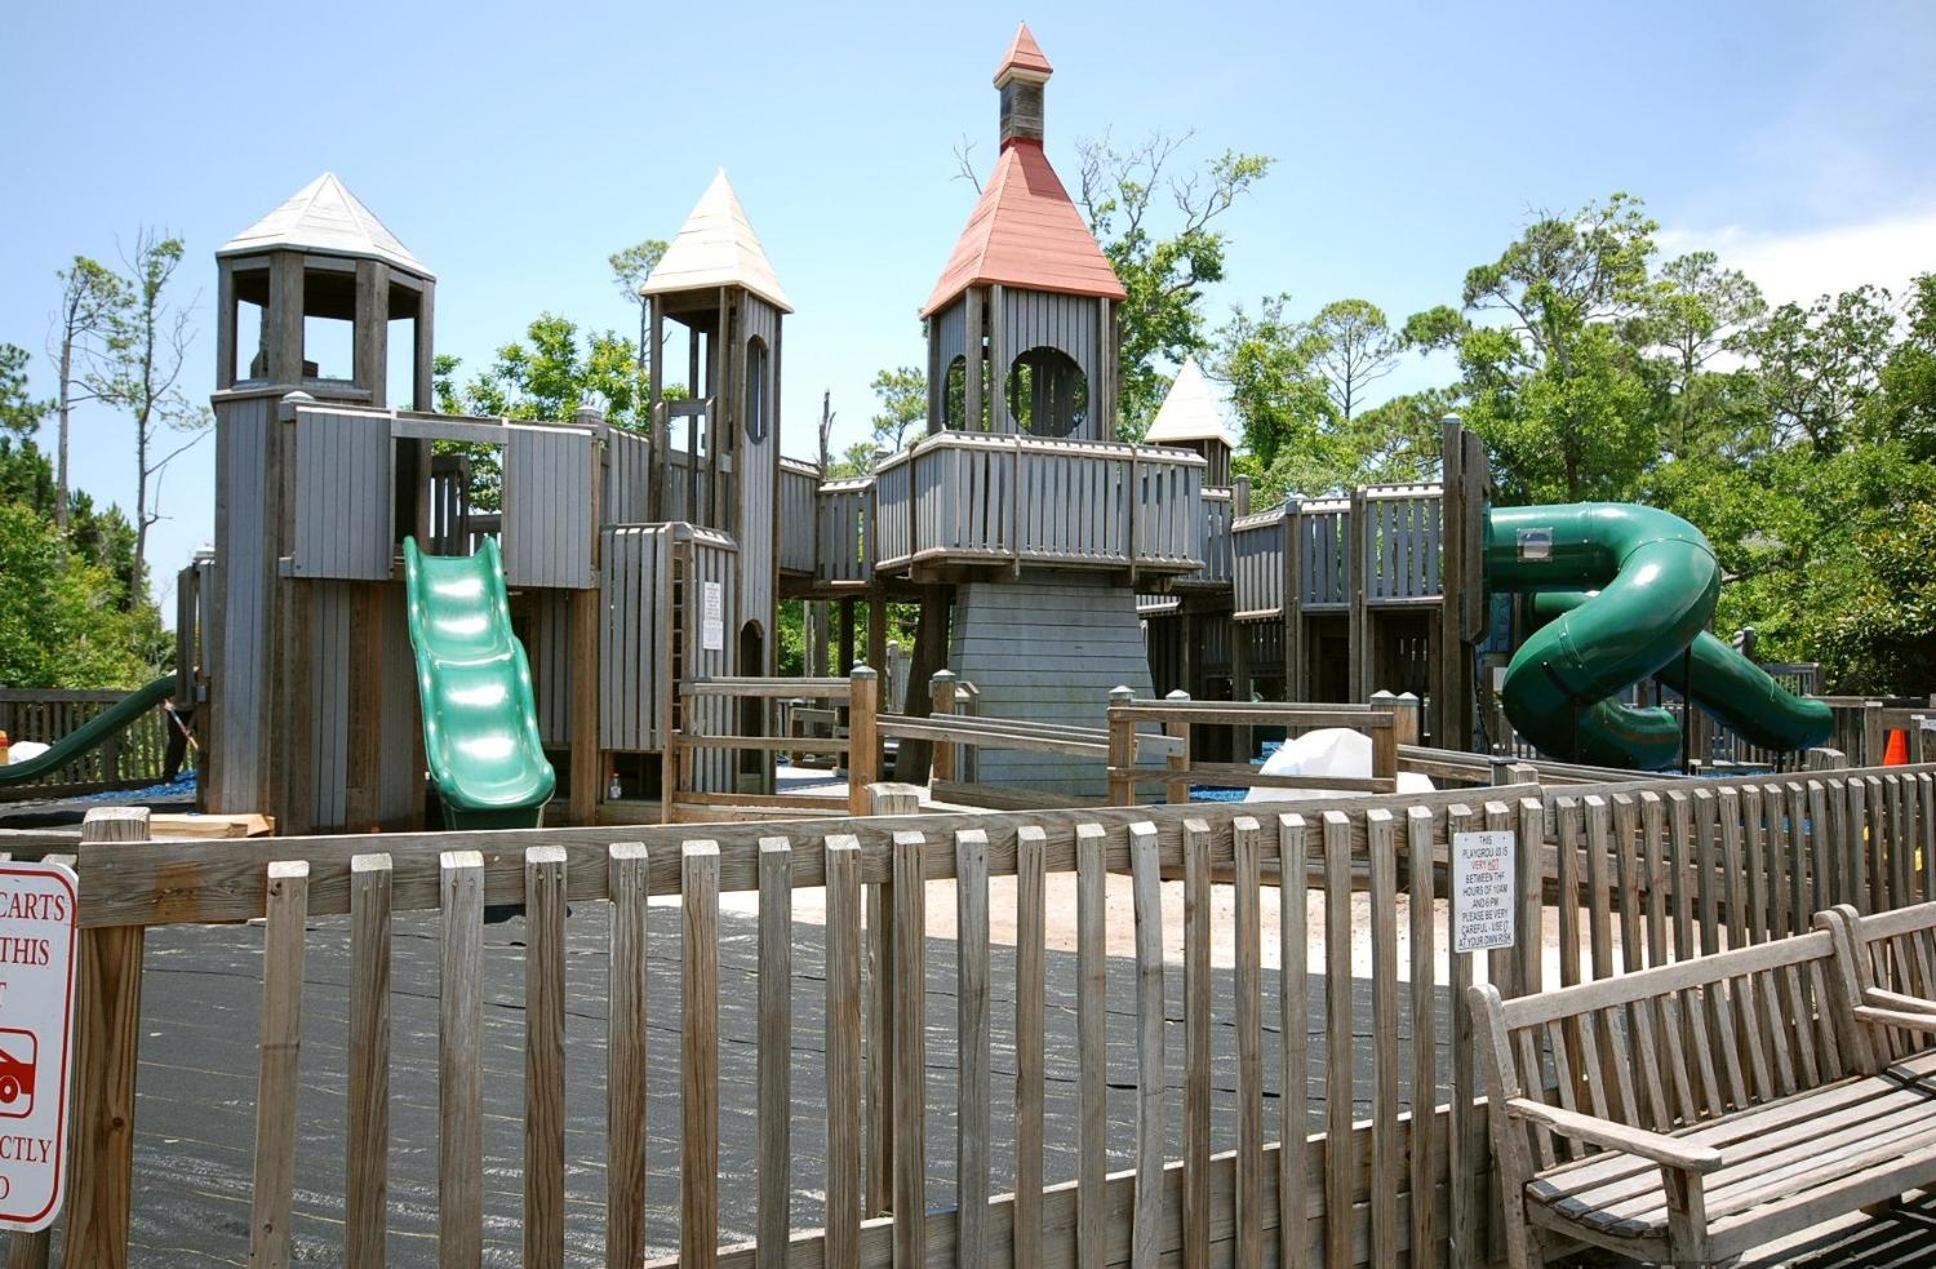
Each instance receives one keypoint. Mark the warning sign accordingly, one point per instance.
(36, 1039)
(712, 619)
(1482, 890)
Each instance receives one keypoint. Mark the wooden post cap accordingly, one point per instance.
(863, 671)
(1121, 695)
(1177, 695)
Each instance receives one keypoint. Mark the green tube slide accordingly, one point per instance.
(90, 734)
(1655, 581)
(480, 721)
(1736, 691)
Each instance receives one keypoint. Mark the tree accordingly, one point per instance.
(549, 375)
(1550, 378)
(630, 268)
(1696, 310)
(1355, 347)
(60, 625)
(1161, 319)
(1819, 365)
(139, 371)
(1269, 362)
(20, 414)
(91, 295)
(903, 396)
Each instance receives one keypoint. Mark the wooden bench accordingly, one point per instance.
(1691, 1112)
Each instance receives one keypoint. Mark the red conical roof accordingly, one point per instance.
(1023, 54)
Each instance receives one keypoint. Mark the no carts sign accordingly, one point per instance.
(36, 1039)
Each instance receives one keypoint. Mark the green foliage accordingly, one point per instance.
(547, 376)
(20, 414)
(902, 406)
(1163, 268)
(61, 622)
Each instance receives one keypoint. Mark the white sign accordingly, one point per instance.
(1482, 890)
(1535, 544)
(712, 621)
(36, 1039)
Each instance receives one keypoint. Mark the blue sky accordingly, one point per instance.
(514, 147)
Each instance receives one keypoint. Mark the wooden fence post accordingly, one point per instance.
(1823, 759)
(1122, 750)
(878, 1145)
(941, 704)
(1177, 790)
(107, 1048)
(863, 737)
(1406, 718)
(1384, 740)
(1875, 737)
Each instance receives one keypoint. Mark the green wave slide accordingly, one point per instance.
(480, 721)
(1621, 592)
(91, 733)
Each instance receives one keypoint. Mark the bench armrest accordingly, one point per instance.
(1671, 1152)
(1884, 999)
(1900, 1018)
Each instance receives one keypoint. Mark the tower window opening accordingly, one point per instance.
(1048, 395)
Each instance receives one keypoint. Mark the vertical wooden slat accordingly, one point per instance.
(775, 1110)
(910, 1049)
(1340, 1168)
(1146, 1214)
(1380, 835)
(1424, 992)
(1294, 1023)
(699, 1057)
(628, 883)
(1247, 871)
(274, 1184)
(1466, 1151)
(107, 1047)
(1031, 971)
(544, 1057)
(460, 1067)
(367, 1137)
(972, 1035)
(1197, 917)
(1092, 1093)
(843, 1052)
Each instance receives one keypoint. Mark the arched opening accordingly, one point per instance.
(1048, 395)
(752, 709)
(759, 406)
(954, 395)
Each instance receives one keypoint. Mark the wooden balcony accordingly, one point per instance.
(967, 502)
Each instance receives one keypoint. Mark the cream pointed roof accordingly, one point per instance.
(717, 247)
(1191, 411)
(323, 216)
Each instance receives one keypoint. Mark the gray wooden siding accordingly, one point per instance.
(635, 639)
(757, 465)
(799, 518)
(548, 507)
(1257, 544)
(1072, 323)
(1402, 554)
(1324, 560)
(345, 512)
(1047, 649)
(950, 339)
(1217, 548)
(845, 540)
(328, 673)
(400, 782)
(628, 477)
(548, 644)
(245, 577)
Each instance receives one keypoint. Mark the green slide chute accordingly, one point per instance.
(1627, 592)
(480, 722)
(91, 733)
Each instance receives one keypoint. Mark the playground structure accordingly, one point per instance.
(402, 601)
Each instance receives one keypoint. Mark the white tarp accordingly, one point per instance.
(1329, 751)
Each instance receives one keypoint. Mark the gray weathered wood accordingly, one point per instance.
(972, 1036)
(544, 1057)
(460, 1074)
(367, 1117)
(699, 1057)
(274, 1183)
(776, 1048)
(844, 1146)
(1147, 1214)
(628, 882)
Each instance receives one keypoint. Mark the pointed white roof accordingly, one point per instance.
(323, 216)
(717, 247)
(1191, 411)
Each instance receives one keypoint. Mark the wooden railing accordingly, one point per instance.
(1380, 547)
(799, 515)
(1218, 512)
(844, 536)
(965, 498)
(860, 692)
(1633, 877)
(137, 756)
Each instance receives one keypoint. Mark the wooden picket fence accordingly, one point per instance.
(131, 759)
(1657, 870)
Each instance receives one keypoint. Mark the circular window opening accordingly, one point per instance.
(1048, 395)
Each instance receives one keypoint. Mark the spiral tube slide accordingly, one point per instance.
(1657, 580)
(1736, 691)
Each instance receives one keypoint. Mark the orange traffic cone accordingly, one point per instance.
(1897, 752)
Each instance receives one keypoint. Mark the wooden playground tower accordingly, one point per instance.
(1050, 562)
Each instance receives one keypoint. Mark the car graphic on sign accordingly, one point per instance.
(19, 1057)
